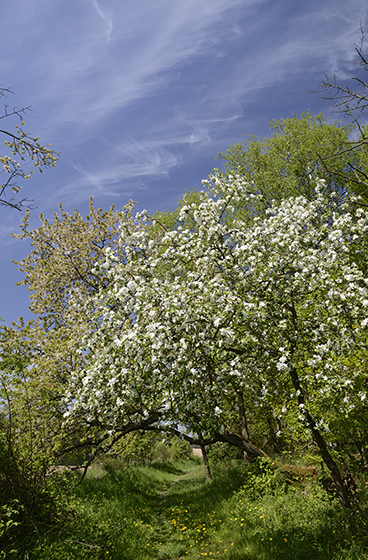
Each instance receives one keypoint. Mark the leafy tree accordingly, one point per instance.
(145, 448)
(22, 146)
(60, 274)
(291, 160)
(60, 266)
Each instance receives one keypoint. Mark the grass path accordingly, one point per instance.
(158, 513)
(186, 516)
(170, 512)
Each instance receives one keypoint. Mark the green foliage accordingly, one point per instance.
(10, 515)
(59, 272)
(139, 448)
(28, 496)
(264, 477)
(135, 448)
(300, 150)
(298, 524)
(223, 453)
(169, 219)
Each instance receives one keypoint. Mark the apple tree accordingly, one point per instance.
(276, 308)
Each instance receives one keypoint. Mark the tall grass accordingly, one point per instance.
(169, 511)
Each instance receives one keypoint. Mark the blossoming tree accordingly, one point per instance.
(193, 316)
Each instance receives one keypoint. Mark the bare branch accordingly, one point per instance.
(352, 97)
(23, 147)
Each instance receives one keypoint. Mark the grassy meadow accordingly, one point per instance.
(169, 511)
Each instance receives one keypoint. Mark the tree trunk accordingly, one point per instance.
(207, 470)
(341, 489)
(243, 421)
(241, 443)
(273, 437)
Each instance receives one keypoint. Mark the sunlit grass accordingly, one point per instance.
(169, 511)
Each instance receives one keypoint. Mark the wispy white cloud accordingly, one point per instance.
(106, 16)
(106, 65)
(141, 95)
(9, 225)
(89, 79)
(5, 232)
(129, 165)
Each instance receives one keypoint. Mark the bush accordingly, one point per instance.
(27, 495)
(263, 476)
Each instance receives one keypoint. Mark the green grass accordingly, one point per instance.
(169, 511)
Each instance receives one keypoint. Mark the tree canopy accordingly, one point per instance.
(289, 162)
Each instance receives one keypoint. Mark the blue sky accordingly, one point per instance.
(139, 96)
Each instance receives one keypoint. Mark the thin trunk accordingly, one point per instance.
(207, 470)
(273, 437)
(341, 489)
(206, 463)
(243, 422)
(239, 442)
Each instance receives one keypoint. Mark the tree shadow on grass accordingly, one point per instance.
(201, 497)
(167, 467)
